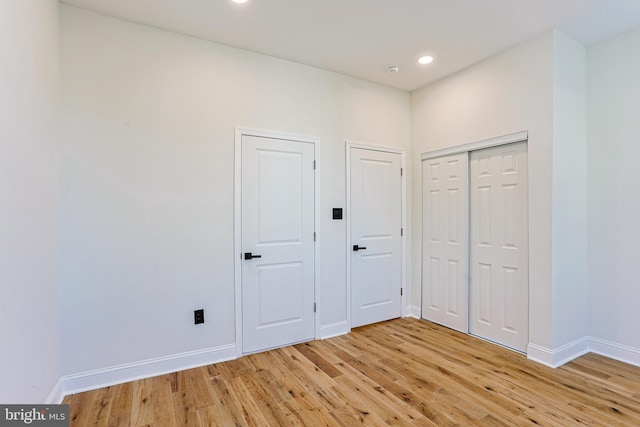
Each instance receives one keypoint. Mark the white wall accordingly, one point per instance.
(614, 202)
(29, 305)
(148, 122)
(147, 200)
(508, 93)
(570, 243)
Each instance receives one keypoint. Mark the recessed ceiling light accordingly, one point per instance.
(393, 69)
(425, 60)
(239, 1)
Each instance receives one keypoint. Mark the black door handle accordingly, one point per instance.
(249, 255)
(357, 248)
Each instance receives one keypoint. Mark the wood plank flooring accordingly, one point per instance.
(405, 372)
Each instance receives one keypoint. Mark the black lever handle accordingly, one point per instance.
(249, 255)
(357, 248)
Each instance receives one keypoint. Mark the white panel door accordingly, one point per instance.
(499, 245)
(376, 221)
(277, 243)
(445, 228)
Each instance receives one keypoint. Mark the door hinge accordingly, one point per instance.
(400, 171)
(314, 307)
(314, 165)
(400, 291)
(401, 232)
(314, 236)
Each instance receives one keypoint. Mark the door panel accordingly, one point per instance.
(277, 225)
(275, 280)
(499, 288)
(376, 220)
(445, 241)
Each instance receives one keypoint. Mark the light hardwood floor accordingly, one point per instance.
(401, 372)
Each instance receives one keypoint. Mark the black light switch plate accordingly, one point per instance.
(198, 316)
(337, 213)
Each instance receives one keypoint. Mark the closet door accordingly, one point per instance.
(499, 287)
(445, 225)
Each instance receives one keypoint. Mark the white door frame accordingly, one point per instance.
(403, 253)
(477, 145)
(237, 221)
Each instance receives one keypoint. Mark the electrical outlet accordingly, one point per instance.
(198, 316)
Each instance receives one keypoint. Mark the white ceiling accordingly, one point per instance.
(362, 38)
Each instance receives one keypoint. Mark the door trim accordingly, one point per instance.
(237, 221)
(477, 145)
(403, 217)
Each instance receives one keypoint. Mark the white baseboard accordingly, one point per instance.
(558, 356)
(615, 351)
(57, 394)
(99, 378)
(561, 355)
(412, 311)
(334, 330)
(540, 354)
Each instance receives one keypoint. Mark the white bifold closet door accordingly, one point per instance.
(499, 288)
(446, 241)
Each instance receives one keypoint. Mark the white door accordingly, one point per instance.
(277, 242)
(445, 228)
(376, 221)
(499, 245)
